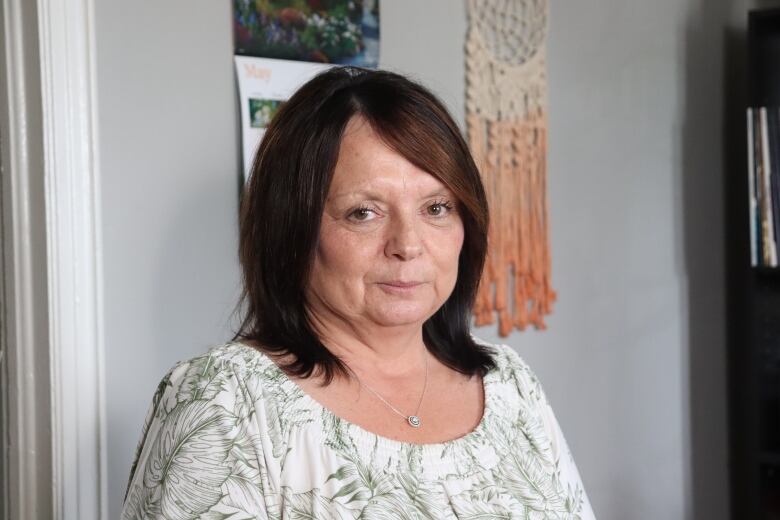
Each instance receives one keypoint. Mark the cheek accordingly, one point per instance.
(343, 255)
(445, 249)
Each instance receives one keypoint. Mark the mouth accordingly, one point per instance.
(399, 287)
(401, 284)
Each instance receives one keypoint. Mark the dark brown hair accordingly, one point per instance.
(283, 201)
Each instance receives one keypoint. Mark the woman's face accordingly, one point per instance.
(389, 240)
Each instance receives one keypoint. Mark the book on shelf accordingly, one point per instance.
(767, 220)
(752, 190)
(763, 125)
(773, 124)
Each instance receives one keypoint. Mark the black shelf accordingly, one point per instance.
(753, 305)
(769, 458)
(767, 271)
(763, 50)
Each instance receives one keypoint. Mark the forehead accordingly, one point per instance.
(365, 161)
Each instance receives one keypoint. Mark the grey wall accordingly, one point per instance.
(634, 358)
(169, 161)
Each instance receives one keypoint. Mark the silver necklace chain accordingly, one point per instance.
(413, 420)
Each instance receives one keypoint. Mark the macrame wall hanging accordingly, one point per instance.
(506, 119)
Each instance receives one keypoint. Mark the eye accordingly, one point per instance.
(361, 214)
(440, 208)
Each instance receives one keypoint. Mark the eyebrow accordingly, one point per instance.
(375, 195)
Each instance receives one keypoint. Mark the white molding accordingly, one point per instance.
(25, 328)
(68, 88)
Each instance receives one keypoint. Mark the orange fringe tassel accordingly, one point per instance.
(511, 156)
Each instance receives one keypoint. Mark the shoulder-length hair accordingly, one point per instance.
(283, 200)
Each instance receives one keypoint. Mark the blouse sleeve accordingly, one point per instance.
(566, 469)
(199, 455)
(570, 476)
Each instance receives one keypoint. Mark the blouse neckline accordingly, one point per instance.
(433, 456)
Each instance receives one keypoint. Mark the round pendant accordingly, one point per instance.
(414, 421)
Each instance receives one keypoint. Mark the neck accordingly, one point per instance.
(384, 352)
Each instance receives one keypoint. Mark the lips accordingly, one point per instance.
(400, 283)
(400, 287)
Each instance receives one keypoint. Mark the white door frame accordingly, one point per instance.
(63, 116)
(25, 339)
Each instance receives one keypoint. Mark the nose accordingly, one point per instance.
(403, 239)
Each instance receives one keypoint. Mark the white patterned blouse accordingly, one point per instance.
(228, 435)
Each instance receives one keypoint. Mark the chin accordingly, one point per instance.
(403, 314)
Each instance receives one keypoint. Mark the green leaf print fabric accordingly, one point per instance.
(228, 435)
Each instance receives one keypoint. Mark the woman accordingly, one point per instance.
(354, 387)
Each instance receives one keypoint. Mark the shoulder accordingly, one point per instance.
(229, 357)
(248, 384)
(511, 367)
(220, 368)
(200, 438)
(518, 384)
(225, 380)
